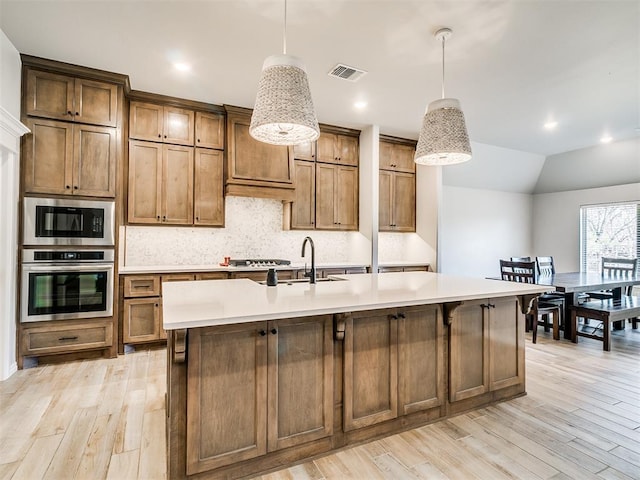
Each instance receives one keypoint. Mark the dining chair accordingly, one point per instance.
(615, 267)
(525, 272)
(545, 266)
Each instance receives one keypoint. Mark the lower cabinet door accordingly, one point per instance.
(300, 385)
(468, 351)
(226, 395)
(421, 359)
(370, 368)
(506, 343)
(141, 320)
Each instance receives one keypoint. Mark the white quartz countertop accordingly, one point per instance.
(221, 302)
(149, 269)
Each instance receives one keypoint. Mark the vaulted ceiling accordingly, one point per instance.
(513, 64)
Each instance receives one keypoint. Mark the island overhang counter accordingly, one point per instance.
(259, 377)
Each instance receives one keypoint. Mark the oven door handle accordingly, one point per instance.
(74, 267)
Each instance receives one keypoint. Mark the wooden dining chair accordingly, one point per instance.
(615, 267)
(525, 272)
(544, 267)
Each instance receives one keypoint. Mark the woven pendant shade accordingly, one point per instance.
(443, 139)
(283, 113)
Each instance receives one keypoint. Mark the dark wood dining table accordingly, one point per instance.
(574, 283)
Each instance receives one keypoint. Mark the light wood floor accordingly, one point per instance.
(105, 419)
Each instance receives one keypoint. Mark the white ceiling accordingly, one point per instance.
(512, 64)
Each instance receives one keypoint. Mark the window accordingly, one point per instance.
(610, 230)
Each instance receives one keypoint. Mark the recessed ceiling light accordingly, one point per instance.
(606, 139)
(182, 67)
(360, 104)
(550, 125)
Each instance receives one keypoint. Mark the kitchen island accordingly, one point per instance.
(260, 377)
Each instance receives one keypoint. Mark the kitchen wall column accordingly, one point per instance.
(369, 161)
(11, 129)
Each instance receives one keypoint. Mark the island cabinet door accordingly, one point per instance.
(421, 359)
(226, 395)
(506, 343)
(300, 397)
(468, 351)
(370, 368)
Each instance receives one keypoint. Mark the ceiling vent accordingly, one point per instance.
(345, 72)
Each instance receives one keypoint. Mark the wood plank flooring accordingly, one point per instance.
(105, 419)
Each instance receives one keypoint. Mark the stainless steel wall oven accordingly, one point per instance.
(66, 284)
(53, 221)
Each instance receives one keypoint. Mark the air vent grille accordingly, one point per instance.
(345, 72)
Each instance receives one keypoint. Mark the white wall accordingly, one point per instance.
(556, 220)
(10, 131)
(479, 227)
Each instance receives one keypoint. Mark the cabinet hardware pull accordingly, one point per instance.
(75, 187)
(164, 217)
(393, 317)
(156, 304)
(158, 217)
(402, 315)
(197, 218)
(61, 339)
(69, 112)
(198, 140)
(274, 331)
(491, 305)
(67, 186)
(77, 113)
(159, 135)
(165, 136)
(262, 333)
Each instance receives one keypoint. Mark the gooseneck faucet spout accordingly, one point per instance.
(311, 273)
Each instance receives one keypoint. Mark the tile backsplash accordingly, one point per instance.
(253, 230)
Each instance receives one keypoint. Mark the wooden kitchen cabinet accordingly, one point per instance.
(305, 151)
(210, 130)
(370, 369)
(336, 197)
(208, 192)
(397, 194)
(303, 209)
(338, 148)
(141, 320)
(396, 156)
(69, 159)
(66, 337)
(160, 183)
(249, 392)
(421, 359)
(256, 169)
(161, 123)
(62, 97)
(486, 348)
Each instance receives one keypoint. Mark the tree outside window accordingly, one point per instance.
(609, 230)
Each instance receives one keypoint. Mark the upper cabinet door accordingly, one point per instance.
(146, 121)
(96, 102)
(94, 151)
(326, 148)
(177, 184)
(178, 126)
(348, 151)
(305, 151)
(208, 199)
(49, 95)
(397, 157)
(210, 130)
(47, 157)
(74, 99)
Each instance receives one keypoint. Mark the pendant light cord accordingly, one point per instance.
(443, 40)
(284, 44)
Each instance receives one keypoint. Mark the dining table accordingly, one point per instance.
(572, 284)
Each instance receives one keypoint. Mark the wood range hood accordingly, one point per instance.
(255, 169)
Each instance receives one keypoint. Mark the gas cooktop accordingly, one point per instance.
(259, 263)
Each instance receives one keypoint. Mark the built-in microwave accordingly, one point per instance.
(61, 221)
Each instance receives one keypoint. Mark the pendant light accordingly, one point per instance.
(443, 139)
(283, 113)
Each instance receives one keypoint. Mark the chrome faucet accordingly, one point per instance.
(311, 273)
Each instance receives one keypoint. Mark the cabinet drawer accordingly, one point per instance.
(52, 339)
(212, 276)
(142, 286)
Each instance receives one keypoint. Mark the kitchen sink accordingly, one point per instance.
(304, 280)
